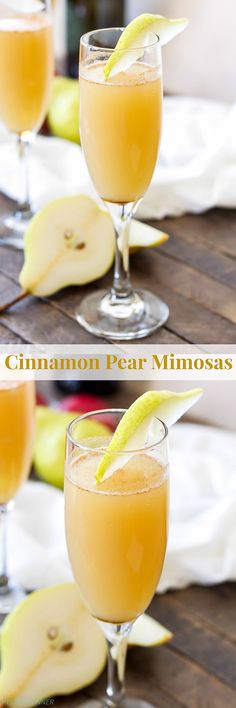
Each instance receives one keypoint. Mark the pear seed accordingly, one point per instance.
(52, 633)
(68, 234)
(80, 246)
(67, 647)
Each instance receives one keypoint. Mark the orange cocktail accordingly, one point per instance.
(17, 407)
(117, 534)
(26, 67)
(17, 402)
(121, 128)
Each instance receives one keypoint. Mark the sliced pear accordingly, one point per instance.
(147, 632)
(50, 646)
(132, 432)
(138, 34)
(69, 242)
(49, 449)
(144, 236)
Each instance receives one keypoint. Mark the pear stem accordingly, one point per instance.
(21, 296)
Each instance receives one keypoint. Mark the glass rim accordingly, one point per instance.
(87, 448)
(85, 37)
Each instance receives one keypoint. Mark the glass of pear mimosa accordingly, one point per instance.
(26, 70)
(17, 405)
(120, 125)
(116, 536)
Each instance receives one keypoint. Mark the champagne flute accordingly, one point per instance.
(17, 404)
(26, 70)
(116, 537)
(120, 123)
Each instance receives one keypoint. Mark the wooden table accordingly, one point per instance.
(197, 669)
(194, 272)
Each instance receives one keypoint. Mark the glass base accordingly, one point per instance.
(127, 318)
(11, 598)
(126, 703)
(16, 225)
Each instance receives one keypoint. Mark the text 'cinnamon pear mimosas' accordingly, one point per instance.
(116, 515)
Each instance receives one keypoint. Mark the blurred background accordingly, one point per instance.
(200, 62)
(216, 407)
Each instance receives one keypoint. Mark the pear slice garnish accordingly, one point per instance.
(136, 425)
(138, 34)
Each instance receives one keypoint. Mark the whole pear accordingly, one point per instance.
(63, 111)
(49, 450)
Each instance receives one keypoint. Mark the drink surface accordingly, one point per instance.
(120, 122)
(17, 402)
(117, 534)
(26, 69)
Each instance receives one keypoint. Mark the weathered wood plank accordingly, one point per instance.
(196, 286)
(188, 319)
(38, 322)
(9, 337)
(202, 258)
(176, 675)
(214, 606)
(215, 228)
(196, 640)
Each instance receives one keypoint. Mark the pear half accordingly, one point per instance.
(50, 646)
(69, 242)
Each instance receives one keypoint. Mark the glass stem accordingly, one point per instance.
(23, 147)
(121, 216)
(117, 643)
(4, 581)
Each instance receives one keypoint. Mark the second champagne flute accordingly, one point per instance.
(120, 120)
(17, 408)
(26, 70)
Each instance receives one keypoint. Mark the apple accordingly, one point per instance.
(40, 400)
(86, 403)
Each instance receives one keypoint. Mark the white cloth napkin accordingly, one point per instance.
(196, 169)
(202, 540)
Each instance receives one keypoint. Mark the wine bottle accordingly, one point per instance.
(84, 16)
